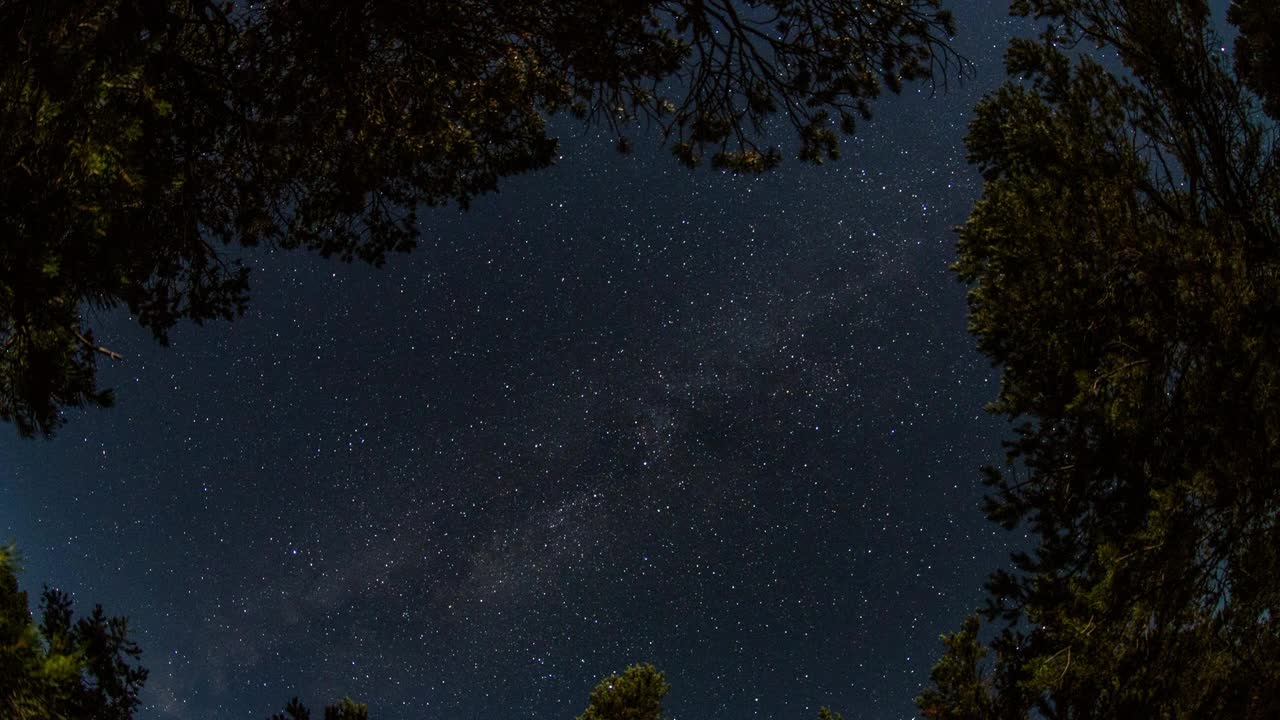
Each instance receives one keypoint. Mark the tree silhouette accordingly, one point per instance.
(63, 667)
(1257, 51)
(346, 709)
(146, 139)
(1125, 263)
(635, 694)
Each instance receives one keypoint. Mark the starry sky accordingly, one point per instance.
(618, 412)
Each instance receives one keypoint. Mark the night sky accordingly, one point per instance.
(619, 412)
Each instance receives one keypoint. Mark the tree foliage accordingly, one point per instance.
(63, 668)
(346, 709)
(636, 694)
(147, 139)
(1125, 264)
(1257, 51)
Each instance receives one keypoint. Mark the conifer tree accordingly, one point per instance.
(63, 668)
(345, 709)
(636, 694)
(1125, 268)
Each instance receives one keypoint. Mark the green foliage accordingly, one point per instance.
(61, 668)
(1125, 264)
(959, 690)
(825, 713)
(145, 140)
(636, 694)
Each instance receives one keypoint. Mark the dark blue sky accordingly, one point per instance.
(618, 412)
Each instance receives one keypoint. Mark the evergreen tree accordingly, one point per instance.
(62, 668)
(145, 139)
(346, 709)
(1125, 264)
(636, 694)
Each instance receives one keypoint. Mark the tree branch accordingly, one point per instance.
(99, 348)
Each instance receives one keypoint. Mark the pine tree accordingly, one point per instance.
(63, 668)
(636, 694)
(1125, 268)
(346, 709)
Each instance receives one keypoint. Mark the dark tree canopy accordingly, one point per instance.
(1257, 51)
(145, 139)
(62, 667)
(1125, 264)
(635, 694)
(346, 709)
